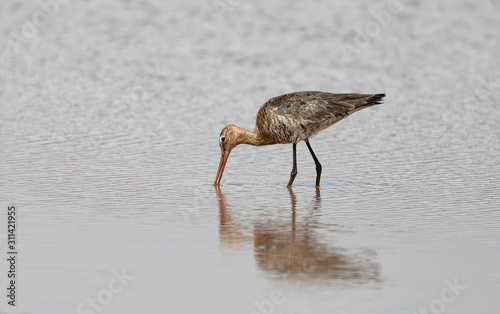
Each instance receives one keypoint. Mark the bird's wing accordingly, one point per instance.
(293, 117)
(316, 107)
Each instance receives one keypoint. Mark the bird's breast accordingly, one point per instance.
(288, 130)
(282, 130)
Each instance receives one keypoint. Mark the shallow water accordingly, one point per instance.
(110, 118)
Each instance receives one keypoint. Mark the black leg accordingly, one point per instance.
(316, 161)
(293, 174)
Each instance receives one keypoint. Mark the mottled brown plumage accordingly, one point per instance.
(291, 118)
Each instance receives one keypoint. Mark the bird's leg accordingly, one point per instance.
(316, 161)
(293, 174)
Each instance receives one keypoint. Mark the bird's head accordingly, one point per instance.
(229, 138)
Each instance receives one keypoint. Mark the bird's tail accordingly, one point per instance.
(376, 99)
(368, 101)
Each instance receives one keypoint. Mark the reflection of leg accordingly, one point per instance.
(294, 203)
(317, 203)
(292, 197)
(316, 161)
(293, 174)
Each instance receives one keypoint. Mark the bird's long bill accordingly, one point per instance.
(222, 164)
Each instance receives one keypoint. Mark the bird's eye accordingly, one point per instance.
(222, 139)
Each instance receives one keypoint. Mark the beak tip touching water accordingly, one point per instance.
(222, 165)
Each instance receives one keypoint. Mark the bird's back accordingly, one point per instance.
(294, 117)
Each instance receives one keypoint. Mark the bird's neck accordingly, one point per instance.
(249, 137)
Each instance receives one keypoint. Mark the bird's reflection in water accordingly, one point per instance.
(295, 250)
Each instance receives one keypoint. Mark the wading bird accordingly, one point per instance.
(290, 118)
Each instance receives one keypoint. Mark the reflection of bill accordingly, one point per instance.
(232, 235)
(294, 251)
